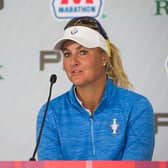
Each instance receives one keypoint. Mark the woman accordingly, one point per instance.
(98, 118)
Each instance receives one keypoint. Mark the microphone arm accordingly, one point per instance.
(53, 79)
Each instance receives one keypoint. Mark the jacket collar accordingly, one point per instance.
(108, 95)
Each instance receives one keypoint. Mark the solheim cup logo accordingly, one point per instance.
(66, 9)
(166, 65)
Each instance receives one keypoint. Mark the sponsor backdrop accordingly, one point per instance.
(28, 30)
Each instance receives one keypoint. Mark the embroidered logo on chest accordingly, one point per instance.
(114, 126)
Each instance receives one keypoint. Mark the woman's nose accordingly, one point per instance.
(74, 60)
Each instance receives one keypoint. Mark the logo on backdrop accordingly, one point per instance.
(161, 7)
(1, 4)
(161, 120)
(48, 57)
(66, 9)
(0, 75)
(166, 65)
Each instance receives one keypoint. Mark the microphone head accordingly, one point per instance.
(53, 78)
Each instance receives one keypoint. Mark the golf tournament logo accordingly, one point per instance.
(166, 65)
(67, 9)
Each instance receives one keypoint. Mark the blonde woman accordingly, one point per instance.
(99, 118)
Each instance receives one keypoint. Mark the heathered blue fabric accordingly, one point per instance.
(71, 134)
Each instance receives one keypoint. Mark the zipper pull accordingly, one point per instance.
(91, 117)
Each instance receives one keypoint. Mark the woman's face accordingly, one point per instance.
(83, 66)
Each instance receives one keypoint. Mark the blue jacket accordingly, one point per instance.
(121, 128)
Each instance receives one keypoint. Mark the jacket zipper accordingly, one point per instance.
(92, 136)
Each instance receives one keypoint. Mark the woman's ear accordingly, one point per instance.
(105, 58)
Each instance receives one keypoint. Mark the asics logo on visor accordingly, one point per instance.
(74, 31)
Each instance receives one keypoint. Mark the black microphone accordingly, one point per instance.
(53, 79)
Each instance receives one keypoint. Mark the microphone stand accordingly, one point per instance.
(53, 79)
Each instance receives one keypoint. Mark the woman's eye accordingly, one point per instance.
(66, 54)
(83, 52)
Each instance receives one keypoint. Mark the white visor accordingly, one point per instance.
(85, 36)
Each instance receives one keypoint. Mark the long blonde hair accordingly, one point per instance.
(115, 70)
(114, 67)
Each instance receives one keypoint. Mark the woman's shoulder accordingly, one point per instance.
(131, 96)
(59, 98)
(56, 102)
(132, 103)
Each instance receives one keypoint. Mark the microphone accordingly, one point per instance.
(53, 79)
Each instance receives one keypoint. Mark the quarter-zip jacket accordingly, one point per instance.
(121, 128)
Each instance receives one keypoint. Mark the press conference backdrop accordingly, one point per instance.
(28, 31)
